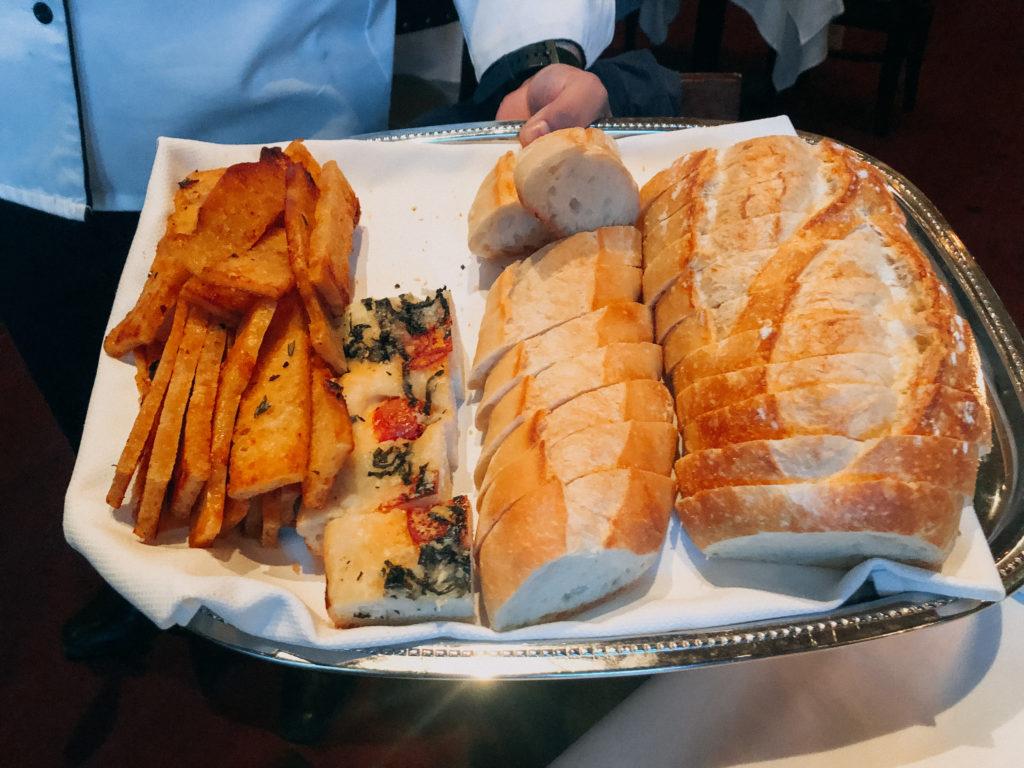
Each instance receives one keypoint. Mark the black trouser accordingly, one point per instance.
(57, 282)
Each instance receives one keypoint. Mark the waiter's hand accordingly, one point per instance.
(559, 96)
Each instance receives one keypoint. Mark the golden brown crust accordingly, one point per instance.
(616, 322)
(796, 310)
(499, 225)
(650, 495)
(530, 534)
(568, 379)
(916, 510)
(674, 188)
(713, 392)
(939, 461)
(633, 400)
(558, 521)
(858, 411)
(559, 282)
(650, 446)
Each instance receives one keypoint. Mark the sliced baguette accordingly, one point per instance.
(567, 379)
(828, 523)
(558, 283)
(562, 548)
(574, 181)
(646, 445)
(939, 461)
(618, 322)
(400, 566)
(499, 225)
(634, 400)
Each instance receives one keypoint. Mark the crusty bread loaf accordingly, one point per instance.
(499, 225)
(826, 523)
(646, 445)
(633, 400)
(618, 322)
(821, 372)
(564, 547)
(574, 181)
(909, 458)
(558, 283)
(565, 380)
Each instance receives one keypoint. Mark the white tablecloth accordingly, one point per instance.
(796, 29)
(950, 695)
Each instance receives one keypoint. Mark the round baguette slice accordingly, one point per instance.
(618, 322)
(635, 400)
(940, 461)
(565, 547)
(646, 445)
(829, 523)
(499, 225)
(574, 181)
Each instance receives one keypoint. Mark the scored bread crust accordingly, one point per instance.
(830, 354)
(616, 322)
(564, 547)
(926, 515)
(714, 392)
(646, 445)
(560, 282)
(750, 197)
(859, 411)
(912, 458)
(574, 181)
(565, 380)
(499, 225)
(675, 181)
(633, 400)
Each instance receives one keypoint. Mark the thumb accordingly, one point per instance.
(582, 100)
(535, 128)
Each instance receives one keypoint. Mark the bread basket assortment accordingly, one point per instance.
(770, 338)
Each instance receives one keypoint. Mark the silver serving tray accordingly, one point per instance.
(999, 503)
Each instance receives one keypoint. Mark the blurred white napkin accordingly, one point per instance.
(412, 237)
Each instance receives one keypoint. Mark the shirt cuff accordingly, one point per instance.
(494, 27)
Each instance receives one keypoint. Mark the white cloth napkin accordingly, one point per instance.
(414, 197)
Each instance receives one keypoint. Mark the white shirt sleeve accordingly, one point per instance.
(496, 27)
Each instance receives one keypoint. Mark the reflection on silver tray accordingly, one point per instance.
(999, 502)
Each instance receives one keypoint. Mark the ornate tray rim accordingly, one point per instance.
(449, 659)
